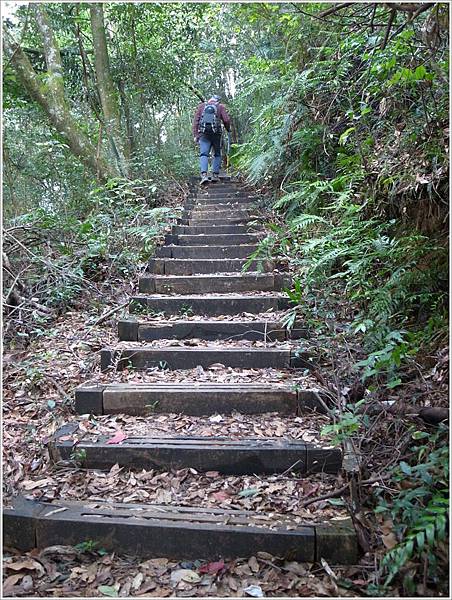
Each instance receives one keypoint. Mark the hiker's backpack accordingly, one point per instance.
(210, 121)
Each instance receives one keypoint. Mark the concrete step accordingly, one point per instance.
(247, 204)
(214, 222)
(228, 186)
(177, 532)
(199, 252)
(198, 284)
(246, 201)
(179, 357)
(223, 189)
(207, 305)
(221, 199)
(229, 239)
(212, 230)
(130, 330)
(218, 214)
(228, 457)
(197, 399)
(190, 266)
(223, 193)
(215, 217)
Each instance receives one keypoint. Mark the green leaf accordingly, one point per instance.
(420, 539)
(430, 533)
(108, 590)
(405, 468)
(248, 492)
(419, 435)
(335, 502)
(394, 383)
(344, 137)
(420, 72)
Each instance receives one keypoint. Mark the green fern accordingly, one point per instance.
(304, 221)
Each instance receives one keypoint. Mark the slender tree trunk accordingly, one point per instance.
(107, 92)
(130, 145)
(50, 95)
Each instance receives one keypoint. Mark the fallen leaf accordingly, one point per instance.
(212, 568)
(265, 555)
(253, 564)
(216, 419)
(220, 496)
(328, 569)
(157, 593)
(66, 551)
(389, 540)
(31, 485)
(117, 438)
(309, 488)
(296, 568)
(184, 575)
(233, 584)
(137, 581)
(254, 590)
(248, 492)
(108, 590)
(29, 565)
(211, 474)
(163, 497)
(10, 582)
(27, 583)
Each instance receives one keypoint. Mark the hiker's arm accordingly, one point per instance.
(196, 121)
(225, 118)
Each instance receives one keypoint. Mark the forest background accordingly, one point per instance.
(341, 122)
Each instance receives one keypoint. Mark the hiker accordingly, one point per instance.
(207, 133)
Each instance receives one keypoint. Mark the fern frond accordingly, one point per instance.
(305, 220)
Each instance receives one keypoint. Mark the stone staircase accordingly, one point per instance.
(195, 290)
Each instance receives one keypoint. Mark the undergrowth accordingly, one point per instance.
(347, 139)
(53, 256)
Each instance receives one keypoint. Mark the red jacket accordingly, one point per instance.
(222, 113)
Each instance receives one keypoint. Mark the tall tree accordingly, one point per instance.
(106, 87)
(51, 95)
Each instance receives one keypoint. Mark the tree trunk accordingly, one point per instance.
(107, 93)
(130, 145)
(50, 95)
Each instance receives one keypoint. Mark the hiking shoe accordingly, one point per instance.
(204, 179)
(215, 177)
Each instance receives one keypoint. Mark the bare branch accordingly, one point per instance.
(388, 29)
(335, 9)
(410, 7)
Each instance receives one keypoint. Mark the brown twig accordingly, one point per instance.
(59, 388)
(339, 491)
(105, 316)
(388, 29)
(334, 9)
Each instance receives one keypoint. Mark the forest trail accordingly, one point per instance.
(196, 309)
(201, 404)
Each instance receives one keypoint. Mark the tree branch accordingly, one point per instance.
(410, 7)
(388, 29)
(335, 9)
(105, 85)
(50, 95)
(195, 91)
(339, 491)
